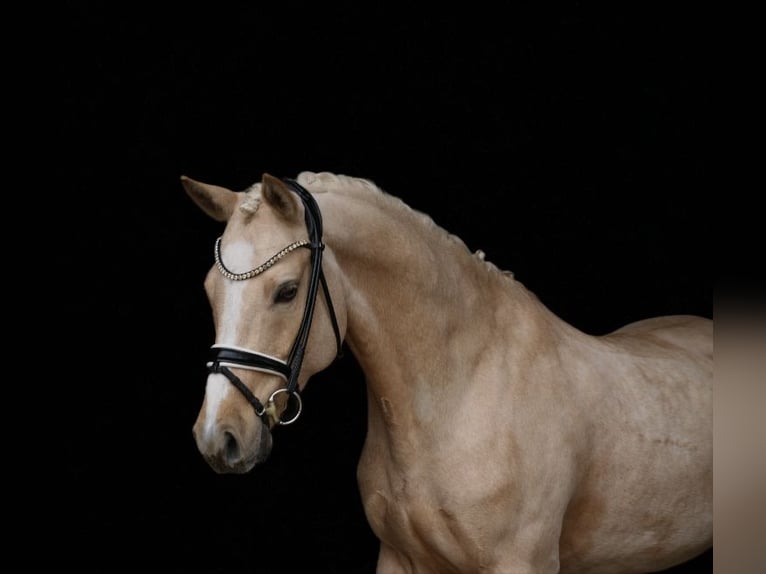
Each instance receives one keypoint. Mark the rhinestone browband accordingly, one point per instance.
(261, 268)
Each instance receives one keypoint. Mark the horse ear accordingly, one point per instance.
(276, 193)
(217, 202)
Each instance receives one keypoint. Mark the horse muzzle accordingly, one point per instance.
(233, 450)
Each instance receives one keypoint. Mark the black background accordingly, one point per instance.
(563, 142)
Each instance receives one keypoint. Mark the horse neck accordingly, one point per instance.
(423, 311)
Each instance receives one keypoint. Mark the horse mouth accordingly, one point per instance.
(242, 467)
(234, 459)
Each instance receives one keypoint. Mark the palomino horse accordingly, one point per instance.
(500, 438)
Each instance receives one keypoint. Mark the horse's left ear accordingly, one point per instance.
(276, 193)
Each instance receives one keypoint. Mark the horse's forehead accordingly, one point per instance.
(239, 254)
(248, 239)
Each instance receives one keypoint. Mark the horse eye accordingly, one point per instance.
(287, 292)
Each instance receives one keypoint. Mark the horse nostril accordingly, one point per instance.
(231, 448)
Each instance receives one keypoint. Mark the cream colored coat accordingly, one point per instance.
(500, 438)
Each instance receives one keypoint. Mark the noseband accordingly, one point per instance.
(224, 356)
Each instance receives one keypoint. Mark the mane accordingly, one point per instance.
(360, 187)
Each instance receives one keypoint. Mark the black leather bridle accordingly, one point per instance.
(224, 356)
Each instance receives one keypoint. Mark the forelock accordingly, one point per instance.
(252, 199)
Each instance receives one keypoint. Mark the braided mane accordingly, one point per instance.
(355, 186)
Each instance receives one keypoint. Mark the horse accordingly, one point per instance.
(500, 438)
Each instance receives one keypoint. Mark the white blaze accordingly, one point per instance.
(239, 257)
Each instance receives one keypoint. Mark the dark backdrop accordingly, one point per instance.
(563, 142)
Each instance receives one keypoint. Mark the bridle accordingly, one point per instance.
(224, 356)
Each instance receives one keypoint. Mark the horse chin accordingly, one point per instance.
(262, 452)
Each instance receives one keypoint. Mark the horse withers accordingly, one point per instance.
(501, 439)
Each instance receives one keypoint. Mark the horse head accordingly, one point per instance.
(270, 337)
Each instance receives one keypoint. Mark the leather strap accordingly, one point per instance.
(260, 410)
(244, 358)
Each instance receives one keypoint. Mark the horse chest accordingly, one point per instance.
(423, 519)
(422, 531)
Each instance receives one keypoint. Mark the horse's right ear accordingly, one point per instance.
(217, 202)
